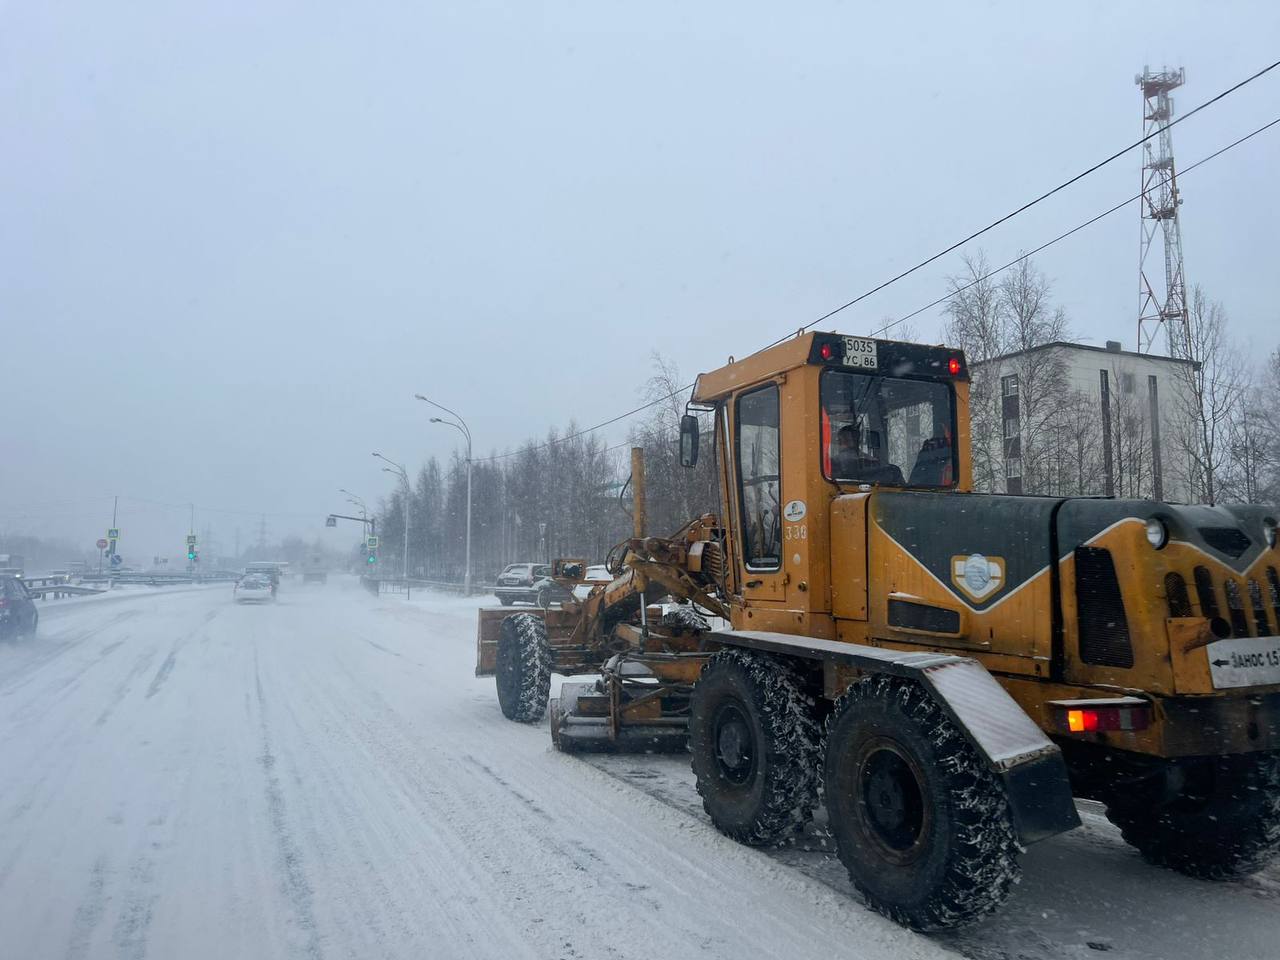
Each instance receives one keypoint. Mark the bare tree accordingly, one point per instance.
(675, 494)
(1130, 435)
(1212, 395)
(1075, 445)
(975, 325)
(1252, 439)
(1029, 322)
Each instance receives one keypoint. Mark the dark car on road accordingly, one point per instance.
(18, 615)
(548, 591)
(517, 582)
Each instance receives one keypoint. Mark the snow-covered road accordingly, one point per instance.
(182, 777)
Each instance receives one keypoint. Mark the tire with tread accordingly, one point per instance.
(922, 826)
(760, 800)
(685, 617)
(1224, 826)
(523, 668)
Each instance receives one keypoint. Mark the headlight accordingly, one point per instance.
(1269, 531)
(1157, 533)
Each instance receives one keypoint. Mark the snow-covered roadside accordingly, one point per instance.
(324, 777)
(1082, 894)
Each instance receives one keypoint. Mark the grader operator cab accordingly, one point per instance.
(951, 667)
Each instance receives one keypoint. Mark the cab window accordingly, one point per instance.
(760, 493)
(887, 430)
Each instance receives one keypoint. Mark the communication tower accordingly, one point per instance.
(1160, 305)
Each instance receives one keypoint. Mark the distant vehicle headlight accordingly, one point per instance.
(1157, 533)
(1269, 531)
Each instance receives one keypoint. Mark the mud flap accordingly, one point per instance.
(488, 632)
(1028, 763)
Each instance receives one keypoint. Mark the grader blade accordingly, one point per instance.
(584, 719)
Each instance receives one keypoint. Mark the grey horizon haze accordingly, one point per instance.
(238, 238)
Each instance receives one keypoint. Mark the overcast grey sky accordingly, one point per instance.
(237, 238)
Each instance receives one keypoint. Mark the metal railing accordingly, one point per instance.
(406, 586)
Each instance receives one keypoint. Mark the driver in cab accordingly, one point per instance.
(850, 462)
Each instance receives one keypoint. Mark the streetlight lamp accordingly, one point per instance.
(359, 505)
(461, 427)
(404, 478)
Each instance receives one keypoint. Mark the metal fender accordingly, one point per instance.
(1028, 763)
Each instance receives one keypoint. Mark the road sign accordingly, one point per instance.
(102, 544)
(116, 559)
(331, 521)
(371, 543)
(191, 540)
(113, 533)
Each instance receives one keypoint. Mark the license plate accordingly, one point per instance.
(1244, 662)
(861, 353)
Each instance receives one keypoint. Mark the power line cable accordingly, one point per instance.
(1062, 236)
(922, 264)
(1028, 205)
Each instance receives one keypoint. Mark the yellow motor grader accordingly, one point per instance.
(945, 669)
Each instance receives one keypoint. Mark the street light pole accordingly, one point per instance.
(461, 427)
(365, 525)
(404, 478)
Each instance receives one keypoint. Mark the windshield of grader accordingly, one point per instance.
(887, 430)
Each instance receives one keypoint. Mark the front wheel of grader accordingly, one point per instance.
(923, 827)
(523, 668)
(754, 740)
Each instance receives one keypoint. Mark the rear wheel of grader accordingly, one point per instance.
(754, 741)
(920, 823)
(1224, 824)
(523, 668)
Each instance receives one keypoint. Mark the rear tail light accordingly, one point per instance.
(1097, 716)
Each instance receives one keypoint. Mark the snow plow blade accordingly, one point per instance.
(578, 726)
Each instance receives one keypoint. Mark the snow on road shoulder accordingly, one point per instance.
(1082, 893)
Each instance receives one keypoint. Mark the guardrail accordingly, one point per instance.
(56, 586)
(381, 585)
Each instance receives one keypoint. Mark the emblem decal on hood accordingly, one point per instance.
(978, 577)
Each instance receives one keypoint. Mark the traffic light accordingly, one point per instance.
(373, 557)
(191, 553)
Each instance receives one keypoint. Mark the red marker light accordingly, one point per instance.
(826, 351)
(953, 366)
(1084, 716)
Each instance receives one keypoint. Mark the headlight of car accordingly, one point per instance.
(1157, 533)
(1269, 531)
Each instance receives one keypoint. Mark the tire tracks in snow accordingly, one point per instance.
(89, 914)
(58, 690)
(289, 861)
(166, 667)
(31, 669)
(402, 879)
(140, 666)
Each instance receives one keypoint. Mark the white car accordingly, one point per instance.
(253, 587)
(596, 573)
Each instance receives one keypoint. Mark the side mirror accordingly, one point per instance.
(688, 440)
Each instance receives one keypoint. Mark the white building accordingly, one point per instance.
(1074, 419)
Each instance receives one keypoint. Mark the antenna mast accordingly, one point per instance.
(1161, 306)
